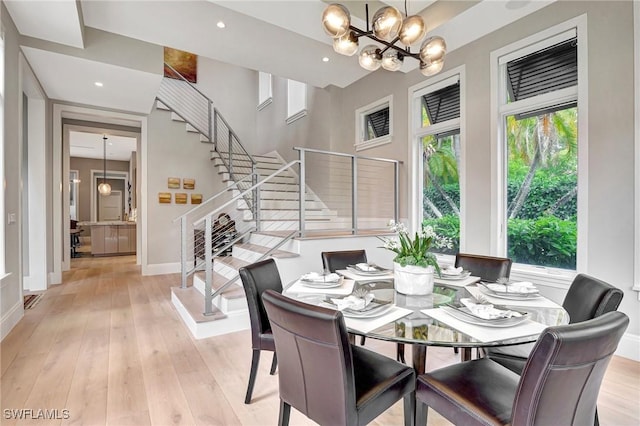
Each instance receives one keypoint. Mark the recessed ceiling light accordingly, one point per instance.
(98, 83)
(220, 24)
(325, 59)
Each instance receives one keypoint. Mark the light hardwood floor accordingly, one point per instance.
(108, 346)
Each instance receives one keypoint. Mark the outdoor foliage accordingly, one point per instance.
(541, 189)
(546, 240)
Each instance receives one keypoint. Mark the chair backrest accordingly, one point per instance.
(562, 377)
(334, 260)
(256, 278)
(488, 268)
(589, 297)
(315, 363)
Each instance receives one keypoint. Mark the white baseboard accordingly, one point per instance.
(11, 318)
(161, 269)
(629, 347)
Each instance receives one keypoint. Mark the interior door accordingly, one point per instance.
(110, 207)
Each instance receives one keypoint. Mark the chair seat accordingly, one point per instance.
(379, 383)
(483, 387)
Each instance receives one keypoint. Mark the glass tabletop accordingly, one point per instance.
(417, 327)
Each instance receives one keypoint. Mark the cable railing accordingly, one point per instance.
(229, 221)
(196, 109)
(361, 192)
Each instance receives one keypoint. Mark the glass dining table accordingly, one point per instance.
(430, 320)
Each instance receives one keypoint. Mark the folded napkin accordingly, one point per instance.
(353, 302)
(450, 270)
(487, 311)
(524, 287)
(320, 278)
(366, 267)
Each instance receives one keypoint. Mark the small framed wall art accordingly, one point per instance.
(188, 183)
(173, 183)
(164, 197)
(181, 198)
(196, 198)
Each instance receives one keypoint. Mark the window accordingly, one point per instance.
(296, 100)
(539, 141)
(439, 138)
(374, 124)
(265, 94)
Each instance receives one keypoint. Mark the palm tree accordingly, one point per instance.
(441, 167)
(540, 141)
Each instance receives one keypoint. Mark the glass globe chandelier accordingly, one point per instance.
(387, 28)
(104, 188)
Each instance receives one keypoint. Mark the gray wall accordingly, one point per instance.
(172, 152)
(11, 288)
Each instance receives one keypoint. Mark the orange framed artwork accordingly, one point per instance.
(183, 62)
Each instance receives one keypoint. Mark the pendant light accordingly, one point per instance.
(104, 188)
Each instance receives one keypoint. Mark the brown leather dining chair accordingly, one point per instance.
(588, 297)
(256, 278)
(335, 260)
(325, 377)
(559, 384)
(488, 268)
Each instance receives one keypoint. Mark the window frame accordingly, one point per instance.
(500, 109)
(296, 100)
(416, 132)
(361, 128)
(265, 90)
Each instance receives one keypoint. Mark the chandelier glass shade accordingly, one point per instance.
(387, 29)
(104, 188)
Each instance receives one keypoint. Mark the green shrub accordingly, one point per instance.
(545, 241)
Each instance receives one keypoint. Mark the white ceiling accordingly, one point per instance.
(91, 145)
(284, 38)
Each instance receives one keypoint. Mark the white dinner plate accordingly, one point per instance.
(377, 311)
(507, 295)
(376, 272)
(460, 276)
(321, 284)
(464, 315)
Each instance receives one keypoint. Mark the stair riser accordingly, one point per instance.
(275, 179)
(278, 187)
(290, 215)
(225, 305)
(282, 205)
(271, 241)
(256, 158)
(217, 161)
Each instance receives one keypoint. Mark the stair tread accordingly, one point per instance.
(193, 302)
(278, 254)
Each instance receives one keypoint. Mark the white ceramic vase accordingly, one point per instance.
(413, 280)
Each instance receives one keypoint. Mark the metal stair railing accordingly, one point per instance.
(362, 189)
(200, 220)
(196, 109)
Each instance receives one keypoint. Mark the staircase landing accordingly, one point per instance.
(190, 305)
